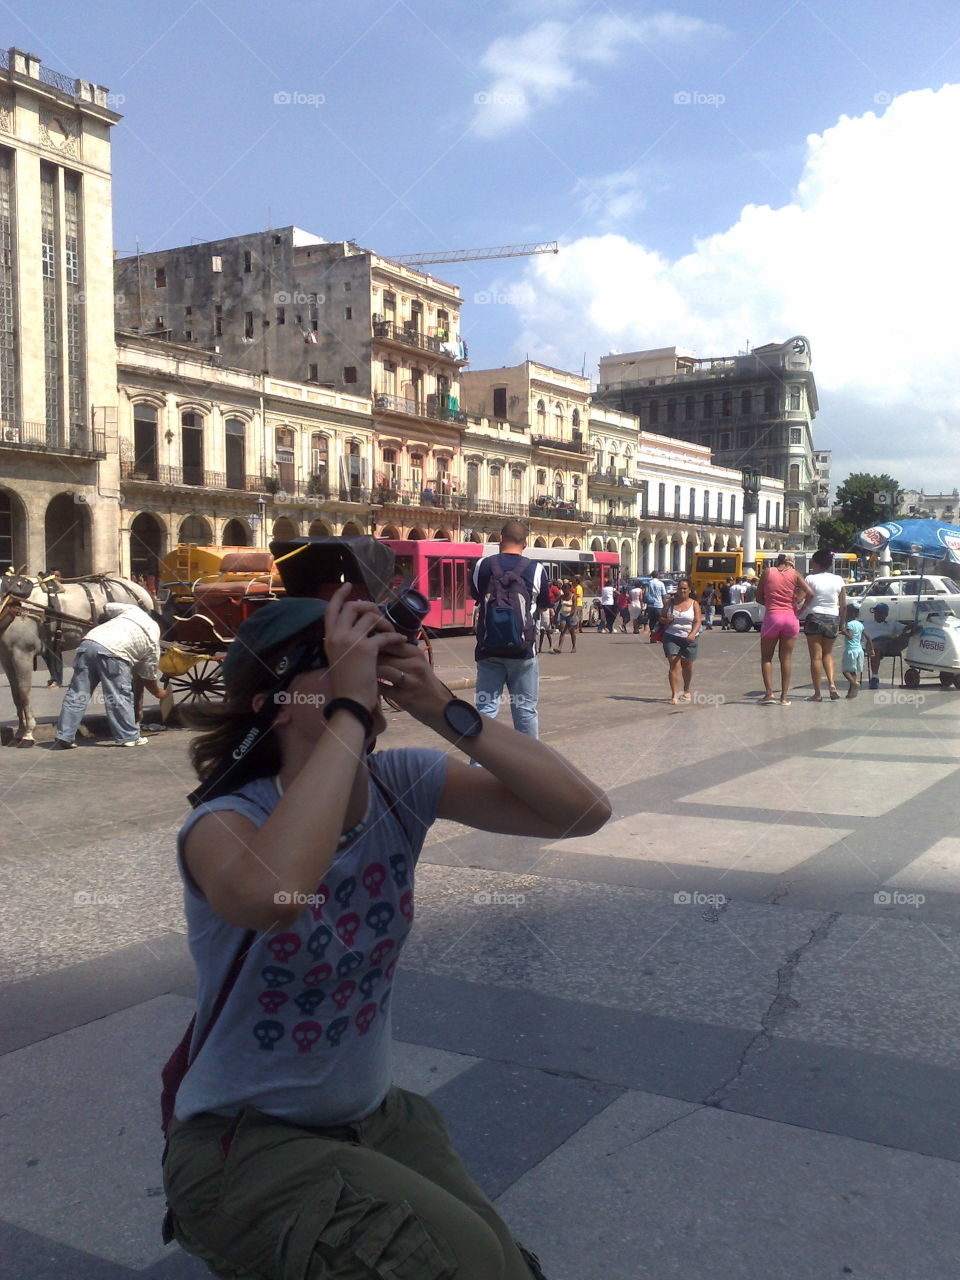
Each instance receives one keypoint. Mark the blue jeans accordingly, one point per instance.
(522, 678)
(93, 665)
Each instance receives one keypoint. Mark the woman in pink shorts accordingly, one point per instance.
(783, 593)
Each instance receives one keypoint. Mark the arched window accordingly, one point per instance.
(144, 441)
(416, 473)
(796, 398)
(285, 444)
(558, 419)
(689, 404)
(473, 483)
(496, 483)
(558, 485)
(236, 453)
(515, 493)
(191, 446)
(575, 419)
(541, 417)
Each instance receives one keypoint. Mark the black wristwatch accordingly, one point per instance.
(356, 709)
(465, 720)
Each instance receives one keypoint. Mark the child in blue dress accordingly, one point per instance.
(854, 643)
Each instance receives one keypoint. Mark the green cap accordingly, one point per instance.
(264, 630)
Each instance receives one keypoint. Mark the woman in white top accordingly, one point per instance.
(682, 621)
(822, 622)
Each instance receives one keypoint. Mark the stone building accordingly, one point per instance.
(214, 455)
(822, 463)
(58, 386)
(916, 504)
(752, 410)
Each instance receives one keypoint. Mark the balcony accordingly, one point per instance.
(546, 508)
(564, 446)
(614, 522)
(38, 437)
(613, 478)
(383, 402)
(390, 331)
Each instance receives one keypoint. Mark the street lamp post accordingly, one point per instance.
(751, 509)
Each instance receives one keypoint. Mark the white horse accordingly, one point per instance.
(31, 620)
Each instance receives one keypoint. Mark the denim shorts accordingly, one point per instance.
(826, 625)
(680, 645)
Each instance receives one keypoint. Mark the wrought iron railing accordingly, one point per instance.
(41, 437)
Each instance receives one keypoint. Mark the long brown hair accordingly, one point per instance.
(223, 725)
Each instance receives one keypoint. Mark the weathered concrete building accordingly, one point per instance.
(58, 383)
(754, 410)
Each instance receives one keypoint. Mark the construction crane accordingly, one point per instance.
(475, 255)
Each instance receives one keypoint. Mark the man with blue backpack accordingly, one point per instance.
(510, 591)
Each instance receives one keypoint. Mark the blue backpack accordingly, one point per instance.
(509, 626)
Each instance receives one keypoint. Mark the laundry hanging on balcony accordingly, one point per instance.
(309, 335)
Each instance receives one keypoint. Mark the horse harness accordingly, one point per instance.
(17, 588)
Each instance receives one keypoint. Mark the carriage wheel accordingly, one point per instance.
(423, 640)
(946, 680)
(911, 678)
(202, 683)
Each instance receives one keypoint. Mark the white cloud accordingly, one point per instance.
(613, 199)
(863, 260)
(541, 65)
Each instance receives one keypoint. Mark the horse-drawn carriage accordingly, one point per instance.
(203, 611)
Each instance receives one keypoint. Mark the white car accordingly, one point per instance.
(900, 595)
(745, 616)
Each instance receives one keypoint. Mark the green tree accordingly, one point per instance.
(857, 498)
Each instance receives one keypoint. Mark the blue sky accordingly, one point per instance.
(716, 174)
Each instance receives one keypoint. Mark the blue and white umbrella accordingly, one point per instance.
(926, 538)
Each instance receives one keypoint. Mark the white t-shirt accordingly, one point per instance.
(826, 588)
(736, 593)
(875, 628)
(636, 597)
(606, 595)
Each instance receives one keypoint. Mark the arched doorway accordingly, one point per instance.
(284, 529)
(557, 542)
(626, 559)
(574, 542)
(415, 535)
(540, 542)
(389, 531)
(147, 538)
(351, 530)
(612, 545)
(319, 530)
(66, 528)
(196, 530)
(236, 534)
(13, 532)
(473, 536)
(495, 537)
(596, 545)
(441, 535)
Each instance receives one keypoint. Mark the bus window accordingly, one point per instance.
(433, 578)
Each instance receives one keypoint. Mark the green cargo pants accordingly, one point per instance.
(386, 1198)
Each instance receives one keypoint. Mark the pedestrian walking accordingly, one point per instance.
(821, 622)
(725, 599)
(655, 596)
(783, 594)
(635, 607)
(290, 1152)
(682, 619)
(126, 643)
(855, 642)
(548, 619)
(623, 606)
(578, 600)
(708, 601)
(567, 617)
(608, 607)
(510, 590)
